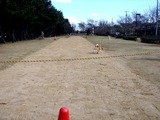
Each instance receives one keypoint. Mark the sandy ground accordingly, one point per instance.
(147, 66)
(93, 89)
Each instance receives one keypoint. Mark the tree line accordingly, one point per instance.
(124, 23)
(26, 19)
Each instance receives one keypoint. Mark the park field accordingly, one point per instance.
(38, 77)
(147, 66)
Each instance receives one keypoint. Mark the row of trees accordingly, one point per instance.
(25, 19)
(104, 27)
(95, 27)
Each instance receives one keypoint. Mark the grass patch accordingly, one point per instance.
(20, 49)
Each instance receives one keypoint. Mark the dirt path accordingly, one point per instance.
(95, 89)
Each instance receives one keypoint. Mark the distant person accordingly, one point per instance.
(42, 34)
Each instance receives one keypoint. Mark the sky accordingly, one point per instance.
(109, 10)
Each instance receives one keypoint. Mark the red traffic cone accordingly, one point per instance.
(63, 114)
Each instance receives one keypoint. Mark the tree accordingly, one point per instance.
(91, 23)
(144, 18)
(67, 27)
(82, 26)
(103, 28)
(73, 27)
(29, 17)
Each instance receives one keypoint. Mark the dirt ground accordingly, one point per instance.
(65, 72)
(147, 66)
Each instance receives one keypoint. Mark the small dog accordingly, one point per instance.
(98, 48)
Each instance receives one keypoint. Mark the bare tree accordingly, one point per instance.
(126, 23)
(125, 19)
(144, 18)
(121, 20)
(73, 27)
(152, 15)
(91, 23)
(103, 23)
(82, 26)
(103, 28)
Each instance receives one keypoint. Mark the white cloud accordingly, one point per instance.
(62, 1)
(73, 20)
(95, 14)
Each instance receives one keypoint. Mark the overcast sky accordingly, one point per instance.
(81, 10)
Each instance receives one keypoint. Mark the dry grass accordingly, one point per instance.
(147, 66)
(95, 89)
(20, 49)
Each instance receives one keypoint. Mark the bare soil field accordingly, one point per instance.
(147, 66)
(42, 76)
